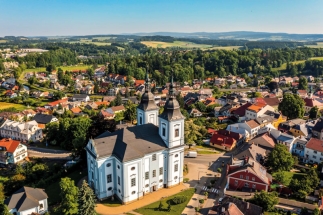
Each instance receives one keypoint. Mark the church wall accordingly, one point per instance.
(147, 117)
(119, 173)
(176, 157)
(132, 192)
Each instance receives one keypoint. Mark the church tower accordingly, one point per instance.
(147, 110)
(171, 121)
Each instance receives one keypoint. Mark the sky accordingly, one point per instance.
(88, 17)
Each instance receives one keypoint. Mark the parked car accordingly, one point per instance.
(68, 164)
(191, 154)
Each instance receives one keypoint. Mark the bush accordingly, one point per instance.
(201, 201)
(179, 199)
(186, 180)
(303, 170)
(219, 169)
(197, 209)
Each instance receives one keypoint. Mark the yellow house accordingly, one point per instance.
(278, 118)
(299, 130)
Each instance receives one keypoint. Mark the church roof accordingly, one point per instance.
(129, 143)
(147, 99)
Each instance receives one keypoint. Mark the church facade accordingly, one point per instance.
(135, 161)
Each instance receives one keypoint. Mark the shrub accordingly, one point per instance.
(186, 180)
(219, 169)
(197, 209)
(179, 199)
(201, 201)
(303, 170)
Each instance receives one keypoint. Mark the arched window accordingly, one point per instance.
(176, 155)
(108, 164)
(133, 192)
(133, 168)
(110, 188)
(118, 167)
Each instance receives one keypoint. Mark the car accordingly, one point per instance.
(70, 163)
(220, 200)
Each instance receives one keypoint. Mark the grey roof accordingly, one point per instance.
(284, 137)
(129, 143)
(43, 118)
(253, 151)
(264, 119)
(147, 99)
(244, 207)
(318, 126)
(26, 198)
(79, 96)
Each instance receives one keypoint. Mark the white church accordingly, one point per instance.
(135, 161)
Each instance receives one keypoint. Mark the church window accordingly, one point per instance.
(176, 155)
(140, 121)
(133, 182)
(133, 192)
(154, 157)
(119, 191)
(110, 188)
(118, 167)
(154, 173)
(147, 185)
(108, 164)
(160, 170)
(164, 131)
(176, 132)
(133, 168)
(176, 167)
(92, 175)
(146, 175)
(175, 177)
(109, 178)
(119, 180)
(161, 180)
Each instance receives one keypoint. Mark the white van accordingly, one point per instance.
(191, 154)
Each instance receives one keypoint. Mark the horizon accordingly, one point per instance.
(63, 18)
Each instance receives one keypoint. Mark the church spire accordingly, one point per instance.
(147, 81)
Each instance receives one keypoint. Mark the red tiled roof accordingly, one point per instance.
(57, 102)
(106, 114)
(9, 144)
(271, 101)
(76, 110)
(315, 144)
(139, 82)
(102, 103)
(118, 108)
(231, 134)
(241, 111)
(256, 107)
(312, 102)
(222, 140)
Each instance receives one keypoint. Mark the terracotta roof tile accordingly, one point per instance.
(315, 144)
(9, 144)
(252, 124)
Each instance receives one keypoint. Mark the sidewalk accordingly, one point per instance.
(146, 200)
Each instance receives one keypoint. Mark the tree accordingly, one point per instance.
(90, 72)
(50, 68)
(314, 113)
(69, 197)
(118, 100)
(265, 200)
(191, 132)
(3, 207)
(58, 95)
(131, 111)
(281, 177)
(127, 94)
(180, 100)
(86, 200)
(201, 106)
(32, 80)
(292, 106)
(257, 95)
(316, 211)
(280, 159)
(302, 83)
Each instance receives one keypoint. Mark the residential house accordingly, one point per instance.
(221, 101)
(264, 120)
(302, 93)
(247, 175)
(277, 117)
(108, 98)
(235, 128)
(288, 125)
(273, 102)
(299, 148)
(234, 206)
(195, 113)
(11, 94)
(265, 141)
(286, 80)
(299, 130)
(29, 113)
(314, 151)
(80, 97)
(219, 82)
(252, 151)
(117, 109)
(222, 142)
(76, 110)
(210, 101)
(113, 91)
(106, 114)
(256, 110)
(91, 106)
(287, 140)
(56, 104)
(217, 111)
(12, 151)
(240, 112)
(251, 126)
(311, 102)
(44, 118)
(24, 131)
(237, 136)
(227, 108)
(317, 130)
(28, 200)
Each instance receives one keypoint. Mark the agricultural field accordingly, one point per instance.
(86, 41)
(64, 68)
(283, 66)
(5, 105)
(181, 44)
(319, 45)
(3, 41)
(229, 48)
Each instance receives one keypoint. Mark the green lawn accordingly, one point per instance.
(291, 175)
(5, 105)
(175, 210)
(182, 44)
(319, 45)
(206, 152)
(283, 66)
(53, 190)
(108, 202)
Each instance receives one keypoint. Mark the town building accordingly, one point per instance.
(314, 151)
(23, 131)
(28, 200)
(135, 161)
(12, 151)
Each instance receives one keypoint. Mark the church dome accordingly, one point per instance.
(147, 99)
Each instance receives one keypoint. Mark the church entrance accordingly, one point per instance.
(154, 188)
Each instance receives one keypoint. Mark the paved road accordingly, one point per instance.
(48, 153)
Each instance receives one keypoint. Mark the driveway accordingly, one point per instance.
(48, 153)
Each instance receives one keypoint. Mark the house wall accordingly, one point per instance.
(313, 156)
(20, 153)
(28, 212)
(296, 133)
(147, 117)
(246, 177)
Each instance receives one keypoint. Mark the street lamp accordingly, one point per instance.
(199, 176)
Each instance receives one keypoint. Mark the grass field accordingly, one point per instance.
(64, 68)
(85, 41)
(319, 45)
(225, 48)
(175, 209)
(181, 44)
(3, 41)
(291, 175)
(5, 105)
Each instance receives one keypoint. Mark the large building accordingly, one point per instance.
(134, 161)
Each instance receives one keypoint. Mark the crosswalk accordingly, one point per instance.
(211, 190)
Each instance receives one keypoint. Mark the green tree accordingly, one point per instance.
(316, 211)
(191, 132)
(3, 207)
(131, 111)
(118, 100)
(119, 116)
(265, 200)
(90, 72)
(257, 95)
(86, 200)
(32, 80)
(302, 84)
(180, 100)
(314, 113)
(58, 95)
(279, 159)
(69, 197)
(292, 106)
(281, 177)
(50, 68)
(201, 106)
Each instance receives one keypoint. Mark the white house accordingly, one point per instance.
(134, 161)
(314, 151)
(81, 97)
(256, 110)
(28, 200)
(250, 126)
(12, 151)
(235, 128)
(24, 131)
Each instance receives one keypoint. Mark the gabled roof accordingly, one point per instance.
(272, 101)
(252, 124)
(9, 144)
(76, 110)
(43, 118)
(253, 151)
(318, 126)
(241, 111)
(117, 108)
(80, 96)
(315, 144)
(129, 143)
(264, 140)
(222, 140)
(256, 107)
(312, 102)
(243, 207)
(26, 198)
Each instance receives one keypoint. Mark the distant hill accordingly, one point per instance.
(240, 35)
